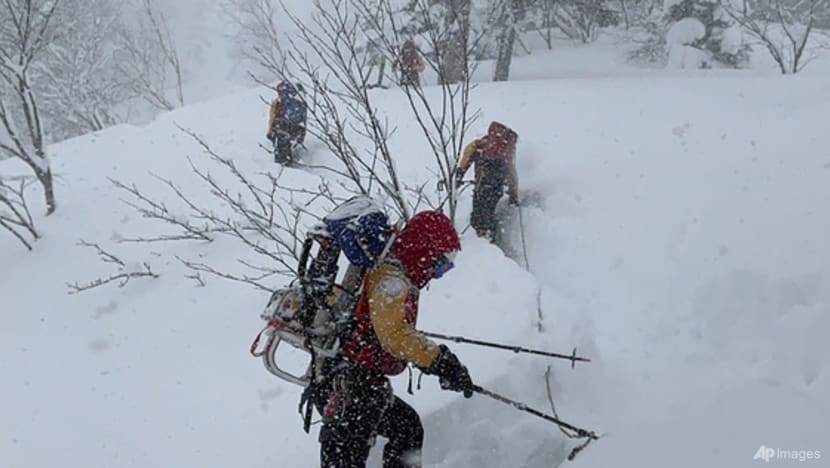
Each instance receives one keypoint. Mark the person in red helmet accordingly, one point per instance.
(358, 403)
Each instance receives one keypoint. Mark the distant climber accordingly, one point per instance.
(494, 157)
(287, 122)
(411, 64)
(376, 61)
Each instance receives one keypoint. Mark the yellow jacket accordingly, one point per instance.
(272, 118)
(392, 312)
(471, 155)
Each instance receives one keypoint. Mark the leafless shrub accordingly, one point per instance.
(258, 35)
(148, 57)
(444, 121)
(264, 216)
(784, 27)
(14, 212)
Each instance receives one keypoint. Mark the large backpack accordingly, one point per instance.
(293, 107)
(500, 143)
(315, 313)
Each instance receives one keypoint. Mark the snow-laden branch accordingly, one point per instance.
(24, 37)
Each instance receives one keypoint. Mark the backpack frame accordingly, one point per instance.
(315, 313)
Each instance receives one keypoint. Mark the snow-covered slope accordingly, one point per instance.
(681, 244)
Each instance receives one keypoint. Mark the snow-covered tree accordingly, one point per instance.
(637, 13)
(719, 40)
(668, 32)
(787, 29)
(148, 58)
(447, 20)
(510, 14)
(583, 19)
(258, 36)
(680, 42)
(79, 82)
(27, 31)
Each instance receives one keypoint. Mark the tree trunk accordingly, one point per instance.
(510, 17)
(549, 32)
(625, 15)
(46, 181)
(453, 63)
(505, 54)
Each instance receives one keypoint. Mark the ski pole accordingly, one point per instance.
(516, 349)
(582, 433)
(524, 242)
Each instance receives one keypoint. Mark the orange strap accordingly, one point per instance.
(255, 350)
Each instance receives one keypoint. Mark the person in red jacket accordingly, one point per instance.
(358, 403)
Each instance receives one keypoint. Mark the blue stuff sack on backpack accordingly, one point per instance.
(293, 107)
(361, 229)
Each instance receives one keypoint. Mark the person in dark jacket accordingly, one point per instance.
(287, 121)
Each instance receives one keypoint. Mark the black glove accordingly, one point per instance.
(514, 199)
(452, 375)
(459, 179)
(271, 135)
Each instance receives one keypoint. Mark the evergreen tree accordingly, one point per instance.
(716, 41)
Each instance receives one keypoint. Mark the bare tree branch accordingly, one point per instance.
(268, 220)
(149, 57)
(444, 123)
(149, 208)
(125, 271)
(16, 217)
(341, 86)
(788, 43)
(258, 35)
(254, 281)
(23, 39)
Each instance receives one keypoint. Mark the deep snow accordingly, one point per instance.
(681, 244)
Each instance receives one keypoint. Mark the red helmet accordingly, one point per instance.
(426, 246)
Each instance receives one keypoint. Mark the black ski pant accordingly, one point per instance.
(488, 191)
(283, 148)
(410, 78)
(366, 408)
